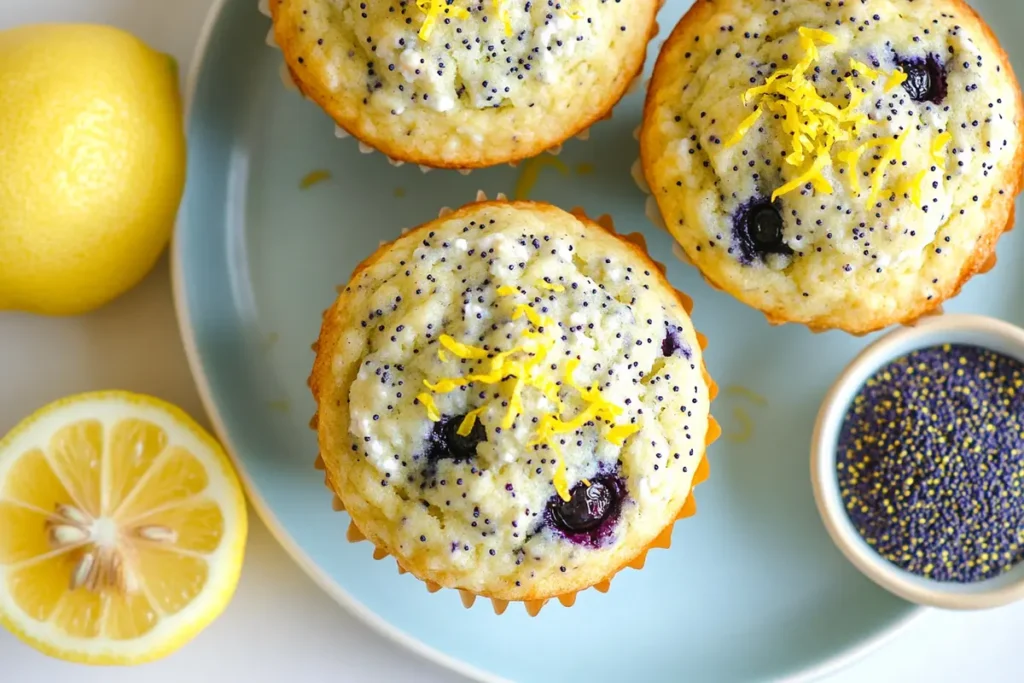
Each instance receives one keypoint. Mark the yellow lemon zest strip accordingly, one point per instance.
(443, 386)
(864, 69)
(531, 315)
(938, 145)
(851, 158)
(462, 350)
(530, 371)
(428, 402)
(618, 435)
(507, 290)
(816, 34)
(503, 15)
(515, 403)
(433, 10)
(745, 125)
(811, 175)
(550, 287)
(892, 152)
(896, 79)
(912, 187)
(570, 369)
(469, 421)
(560, 479)
(812, 124)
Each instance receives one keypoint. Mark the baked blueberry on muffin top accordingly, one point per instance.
(512, 401)
(843, 164)
(464, 83)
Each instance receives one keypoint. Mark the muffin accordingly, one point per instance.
(842, 165)
(512, 402)
(463, 84)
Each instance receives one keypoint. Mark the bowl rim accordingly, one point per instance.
(977, 330)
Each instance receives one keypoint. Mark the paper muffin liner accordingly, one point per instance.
(662, 541)
(653, 214)
(291, 84)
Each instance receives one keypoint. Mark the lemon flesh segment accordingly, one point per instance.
(122, 529)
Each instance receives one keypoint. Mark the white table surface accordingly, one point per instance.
(280, 626)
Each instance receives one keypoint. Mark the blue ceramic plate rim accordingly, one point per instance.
(842, 659)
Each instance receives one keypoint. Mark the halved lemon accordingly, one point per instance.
(122, 529)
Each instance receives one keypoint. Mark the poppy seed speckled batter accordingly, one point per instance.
(843, 164)
(512, 401)
(464, 83)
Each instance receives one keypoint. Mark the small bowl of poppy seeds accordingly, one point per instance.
(917, 462)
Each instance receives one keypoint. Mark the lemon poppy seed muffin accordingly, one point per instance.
(511, 401)
(464, 83)
(840, 164)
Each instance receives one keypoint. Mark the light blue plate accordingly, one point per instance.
(752, 587)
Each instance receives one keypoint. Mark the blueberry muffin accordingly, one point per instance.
(464, 83)
(512, 402)
(839, 164)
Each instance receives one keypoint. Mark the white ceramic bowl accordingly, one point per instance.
(956, 329)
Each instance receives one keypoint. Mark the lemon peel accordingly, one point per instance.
(525, 364)
(814, 126)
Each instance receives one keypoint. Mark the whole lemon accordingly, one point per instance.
(92, 164)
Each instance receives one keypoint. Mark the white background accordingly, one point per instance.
(281, 627)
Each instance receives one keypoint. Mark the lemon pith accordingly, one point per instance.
(122, 529)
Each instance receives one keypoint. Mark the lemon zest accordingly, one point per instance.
(434, 9)
(550, 287)
(314, 177)
(528, 369)
(560, 478)
(469, 421)
(938, 145)
(912, 187)
(811, 175)
(462, 350)
(443, 386)
(896, 79)
(618, 434)
(586, 482)
(428, 402)
(507, 290)
(893, 150)
(531, 315)
(864, 69)
(813, 125)
(745, 126)
(503, 15)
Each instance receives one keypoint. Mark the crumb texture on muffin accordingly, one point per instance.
(840, 164)
(511, 401)
(464, 83)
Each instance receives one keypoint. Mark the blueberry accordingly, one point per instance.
(926, 78)
(758, 231)
(673, 342)
(586, 509)
(446, 443)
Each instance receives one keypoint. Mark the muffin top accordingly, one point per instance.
(464, 83)
(842, 164)
(511, 400)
